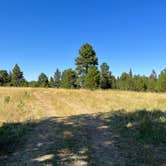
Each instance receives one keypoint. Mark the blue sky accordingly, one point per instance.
(41, 35)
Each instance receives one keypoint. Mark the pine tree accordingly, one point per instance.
(87, 58)
(162, 81)
(152, 82)
(68, 80)
(17, 78)
(130, 73)
(51, 82)
(33, 84)
(43, 80)
(123, 81)
(92, 78)
(57, 78)
(105, 76)
(4, 77)
(153, 75)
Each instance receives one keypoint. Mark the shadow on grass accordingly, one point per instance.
(114, 138)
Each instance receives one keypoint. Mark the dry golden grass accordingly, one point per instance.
(82, 127)
(28, 103)
(17, 105)
(74, 102)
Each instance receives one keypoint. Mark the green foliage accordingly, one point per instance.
(137, 133)
(140, 83)
(51, 82)
(130, 73)
(33, 84)
(161, 85)
(152, 81)
(113, 82)
(153, 76)
(86, 76)
(11, 135)
(68, 80)
(136, 82)
(57, 78)
(4, 77)
(105, 76)
(87, 58)
(43, 80)
(17, 78)
(92, 78)
(124, 82)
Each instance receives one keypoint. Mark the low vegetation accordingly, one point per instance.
(82, 127)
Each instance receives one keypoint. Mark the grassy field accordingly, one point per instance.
(82, 127)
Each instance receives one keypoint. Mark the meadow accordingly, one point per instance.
(44, 126)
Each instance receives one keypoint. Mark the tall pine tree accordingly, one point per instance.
(87, 58)
(57, 78)
(105, 76)
(4, 77)
(43, 80)
(17, 78)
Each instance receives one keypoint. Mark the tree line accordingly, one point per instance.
(87, 75)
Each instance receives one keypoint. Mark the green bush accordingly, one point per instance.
(10, 136)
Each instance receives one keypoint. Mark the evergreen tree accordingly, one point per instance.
(130, 73)
(152, 82)
(162, 81)
(140, 83)
(105, 76)
(51, 82)
(57, 78)
(92, 78)
(4, 77)
(33, 84)
(123, 81)
(113, 81)
(17, 78)
(153, 75)
(43, 80)
(68, 79)
(87, 58)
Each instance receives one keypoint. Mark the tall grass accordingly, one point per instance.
(21, 105)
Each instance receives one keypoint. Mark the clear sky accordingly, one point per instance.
(41, 35)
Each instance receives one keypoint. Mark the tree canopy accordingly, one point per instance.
(87, 58)
(87, 74)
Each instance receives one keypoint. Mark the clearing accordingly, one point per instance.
(60, 127)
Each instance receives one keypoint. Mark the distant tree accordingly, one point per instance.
(87, 58)
(113, 82)
(17, 77)
(140, 83)
(92, 78)
(43, 80)
(33, 84)
(130, 73)
(68, 79)
(105, 76)
(25, 83)
(57, 78)
(153, 75)
(123, 81)
(51, 82)
(161, 85)
(152, 82)
(4, 77)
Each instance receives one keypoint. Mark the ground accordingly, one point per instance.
(80, 127)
